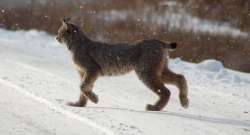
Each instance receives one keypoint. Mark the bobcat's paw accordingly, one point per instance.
(93, 97)
(184, 102)
(152, 108)
(77, 104)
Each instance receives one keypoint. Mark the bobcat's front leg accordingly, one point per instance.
(87, 83)
(82, 101)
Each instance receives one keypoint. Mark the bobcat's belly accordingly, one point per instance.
(114, 70)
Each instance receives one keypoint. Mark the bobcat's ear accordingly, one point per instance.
(65, 20)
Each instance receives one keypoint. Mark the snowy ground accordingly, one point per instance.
(37, 78)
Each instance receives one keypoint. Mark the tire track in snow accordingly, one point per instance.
(57, 108)
(209, 119)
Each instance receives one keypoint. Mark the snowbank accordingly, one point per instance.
(31, 38)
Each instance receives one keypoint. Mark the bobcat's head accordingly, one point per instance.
(67, 32)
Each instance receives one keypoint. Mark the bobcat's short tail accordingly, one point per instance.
(171, 46)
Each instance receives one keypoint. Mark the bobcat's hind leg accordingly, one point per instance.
(149, 71)
(179, 80)
(164, 95)
(154, 82)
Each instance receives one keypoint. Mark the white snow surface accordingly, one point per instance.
(37, 79)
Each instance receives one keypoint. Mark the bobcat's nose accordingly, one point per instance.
(58, 39)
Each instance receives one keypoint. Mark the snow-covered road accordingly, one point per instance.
(37, 78)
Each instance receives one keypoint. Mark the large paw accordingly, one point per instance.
(93, 97)
(152, 108)
(184, 102)
(77, 104)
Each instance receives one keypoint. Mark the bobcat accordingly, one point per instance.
(147, 57)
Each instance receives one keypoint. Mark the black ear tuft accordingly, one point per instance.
(65, 19)
(173, 45)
